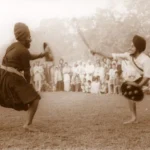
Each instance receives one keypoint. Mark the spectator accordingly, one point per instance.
(88, 86)
(95, 85)
(117, 83)
(111, 74)
(89, 70)
(81, 71)
(83, 84)
(73, 83)
(46, 87)
(66, 75)
(61, 66)
(75, 68)
(77, 83)
(58, 79)
(38, 72)
(102, 72)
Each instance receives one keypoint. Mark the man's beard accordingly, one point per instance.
(27, 44)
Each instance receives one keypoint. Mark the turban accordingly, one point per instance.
(139, 42)
(21, 31)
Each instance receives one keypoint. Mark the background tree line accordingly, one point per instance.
(107, 30)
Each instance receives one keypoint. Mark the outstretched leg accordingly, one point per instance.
(132, 107)
(30, 114)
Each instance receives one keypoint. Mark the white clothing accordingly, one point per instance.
(81, 70)
(96, 71)
(67, 86)
(141, 61)
(95, 87)
(57, 76)
(66, 73)
(89, 69)
(87, 87)
(38, 72)
(100, 71)
(75, 70)
(112, 74)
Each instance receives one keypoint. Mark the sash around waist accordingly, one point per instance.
(12, 70)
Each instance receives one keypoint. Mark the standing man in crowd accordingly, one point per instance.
(140, 61)
(60, 67)
(16, 91)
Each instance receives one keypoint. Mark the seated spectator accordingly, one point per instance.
(95, 85)
(88, 86)
(103, 88)
(46, 87)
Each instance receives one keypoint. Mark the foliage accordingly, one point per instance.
(107, 30)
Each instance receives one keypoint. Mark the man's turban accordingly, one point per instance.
(21, 31)
(139, 42)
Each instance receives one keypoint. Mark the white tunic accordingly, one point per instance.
(95, 86)
(38, 72)
(66, 72)
(141, 61)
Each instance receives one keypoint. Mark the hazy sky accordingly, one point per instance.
(32, 12)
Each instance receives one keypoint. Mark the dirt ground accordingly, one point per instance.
(77, 121)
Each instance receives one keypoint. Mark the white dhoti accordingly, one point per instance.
(66, 82)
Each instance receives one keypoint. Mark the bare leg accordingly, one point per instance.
(132, 107)
(40, 85)
(115, 89)
(30, 114)
(37, 84)
(109, 88)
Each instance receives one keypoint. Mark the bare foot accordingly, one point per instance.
(30, 129)
(131, 121)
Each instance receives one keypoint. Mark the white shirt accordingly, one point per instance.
(141, 61)
(81, 70)
(95, 86)
(97, 71)
(89, 69)
(75, 70)
(112, 73)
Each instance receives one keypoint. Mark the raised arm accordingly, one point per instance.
(103, 54)
(47, 54)
(37, 56)
(122, 56)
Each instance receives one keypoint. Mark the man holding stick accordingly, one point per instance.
(140, 62)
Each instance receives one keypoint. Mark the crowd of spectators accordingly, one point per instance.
(103, 76)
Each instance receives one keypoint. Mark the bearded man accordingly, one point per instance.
(15, 89)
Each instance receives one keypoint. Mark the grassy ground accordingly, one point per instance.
(77, 121)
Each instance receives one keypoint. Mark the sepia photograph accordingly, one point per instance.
(74, 75)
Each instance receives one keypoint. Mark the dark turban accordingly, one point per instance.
(139, 42)
(21, 31)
